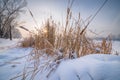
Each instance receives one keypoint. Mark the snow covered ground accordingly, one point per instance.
(12, 58)
(116, 46)
(90, 67)
(7, 44)
(12, 62)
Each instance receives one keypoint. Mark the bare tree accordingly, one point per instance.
(9, 11)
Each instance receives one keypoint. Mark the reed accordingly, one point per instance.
(72, 40)
(67, 43)
(28, 42)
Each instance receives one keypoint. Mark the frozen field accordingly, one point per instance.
(91, 67)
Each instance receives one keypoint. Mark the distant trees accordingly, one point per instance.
(9, 11)
(115, 37)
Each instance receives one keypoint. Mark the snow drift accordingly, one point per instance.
(90, 67)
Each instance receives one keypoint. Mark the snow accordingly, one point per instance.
(6, 44)
(12, 58)
(12, 62)
(91, 67)
(116, 47)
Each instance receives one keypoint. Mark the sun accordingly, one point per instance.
(45, 30)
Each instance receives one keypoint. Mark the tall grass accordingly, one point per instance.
(28, 41)
(67, 43)
(72, 39)
(71, 43)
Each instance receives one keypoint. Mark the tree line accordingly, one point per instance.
(9, 11)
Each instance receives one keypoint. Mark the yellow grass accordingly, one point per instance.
(69, 38)
(28, 42)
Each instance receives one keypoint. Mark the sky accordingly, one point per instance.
(106, 22)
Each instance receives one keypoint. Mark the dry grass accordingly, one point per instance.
(71, 41)
(28, 42)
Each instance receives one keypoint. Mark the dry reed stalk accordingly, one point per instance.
(72, 40)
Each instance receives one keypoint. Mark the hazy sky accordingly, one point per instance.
(106, 22)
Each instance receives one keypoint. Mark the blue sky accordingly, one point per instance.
(106, 22)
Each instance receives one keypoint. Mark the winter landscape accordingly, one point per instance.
(59, 40)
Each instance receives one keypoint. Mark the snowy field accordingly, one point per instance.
(91, 67)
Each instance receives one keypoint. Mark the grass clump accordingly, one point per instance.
(27, 42)
(57, 45)
(70, 41)
(62, 42)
